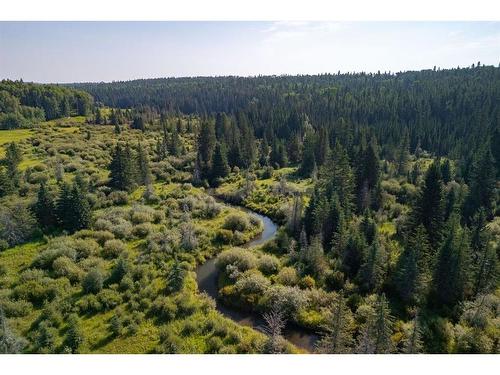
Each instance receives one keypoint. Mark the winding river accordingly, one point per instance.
(207, 278)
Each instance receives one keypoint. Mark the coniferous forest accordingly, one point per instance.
(336, 213)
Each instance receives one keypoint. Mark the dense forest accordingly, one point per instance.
(384, 188)
(24, 105)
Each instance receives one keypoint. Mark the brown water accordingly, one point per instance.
(207, 278)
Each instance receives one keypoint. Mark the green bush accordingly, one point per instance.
(268, 264)
(236, 222)
(113, 248)
(287, 276)
(93, 281)
(242, 259)
(164, 309)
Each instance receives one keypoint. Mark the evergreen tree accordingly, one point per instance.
(144, 172)
(337, 178)
(121, 169)
(175, 277)
(74, 335)
(404, 153)
(64, 209)
(451, 284)
(139, 123)
(338, 336)
(484, 260)
(44, 208)
(13, 157)
(220, 167)
(373, 269)
(483, 184)
(98, 116)
(206, 147)
(430, 206)
(80, 210)
(375, 335)
(308, 157)
(412, 272)
(6, 184)
(175, 143)
(413, 343)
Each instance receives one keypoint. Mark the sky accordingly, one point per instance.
(62, 52)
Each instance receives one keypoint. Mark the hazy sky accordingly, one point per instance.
(107, 51)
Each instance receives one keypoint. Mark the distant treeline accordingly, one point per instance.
(25, 104)
(447, 112)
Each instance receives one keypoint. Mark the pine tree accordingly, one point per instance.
(206, 145)
(98, 116)
(13, 157)
(121, 169)
(175, 143)
(375, 333)
(144, 172)
(220, 167)
(404, 153)
(337, 178)
(483, 184)
(308, 156)
(451, 283)
(413, 343)
(373, 269)
(80, 210)
(484, 260)
(429, 210)
(44, 208)
(139, 123)
(6, 184)
(412, 272)
(64, 209)
(338, 337)
(175, 277)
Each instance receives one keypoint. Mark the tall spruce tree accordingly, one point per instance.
(482, 184)
(429, 210)
(451, 281)
(412, 272)
(144, 172)
(121, 169)
(338, 337)
(44, 208)
(220, 167)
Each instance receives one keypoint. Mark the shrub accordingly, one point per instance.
(214, 344)
(288, 299)
(65, 267)
(14, 309)
(93, 281)
(142, 230)
(89, 304)
(85, 247)
(55, 249)
(236, 222)
(224, 237)
(164, 309)
(252, 283)
(113, 248)
(268, 264)
(242, 259)
(141, 214)
(287, 276)
(109, 299)
(307, 282)
(101, 236)
(119, 198)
